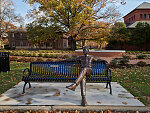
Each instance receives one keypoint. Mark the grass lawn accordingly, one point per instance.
(9, 79)
(135, 80)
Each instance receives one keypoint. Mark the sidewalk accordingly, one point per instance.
(57, 94)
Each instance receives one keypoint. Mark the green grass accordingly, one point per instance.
(135, 80)
(9, 79)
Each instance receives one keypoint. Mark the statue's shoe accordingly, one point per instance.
(72, 87)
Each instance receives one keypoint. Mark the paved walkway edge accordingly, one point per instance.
(74, 108)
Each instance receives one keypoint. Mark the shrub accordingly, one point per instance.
(141, 63)
(56, 56)
(29, 54)
(30, 59)
(22, 60)
(57, 60)
(74, 56)
(46, 55)
(16, 54)
(126, 57)
(39, 60)
(65, 57)
(49, 60)
(123, 61)
(51, 55)
(40, 54)
(114, 62)
(13, 58)
(140, 56)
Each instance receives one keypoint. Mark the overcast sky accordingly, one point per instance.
(22, 8)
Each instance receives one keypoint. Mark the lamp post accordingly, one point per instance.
(0, 26)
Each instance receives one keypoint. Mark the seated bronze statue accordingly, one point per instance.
(86, 69)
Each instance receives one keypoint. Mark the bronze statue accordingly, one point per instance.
(86, 69)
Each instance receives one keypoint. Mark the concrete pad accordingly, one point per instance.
(56, 94)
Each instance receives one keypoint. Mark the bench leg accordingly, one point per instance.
(107, 84)
(25, 86)
(110, 88)
(83, 92)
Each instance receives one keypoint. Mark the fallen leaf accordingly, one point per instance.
(57, 94)
(99, 102)
(98, 88)
(7, 99)
(136, 97)
(19, 95)
(124, 103)
(29, 101)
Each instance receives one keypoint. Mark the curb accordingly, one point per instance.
(74, 108)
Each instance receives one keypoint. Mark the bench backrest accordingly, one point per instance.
(70, 69)
(65, 68)
(99, 68)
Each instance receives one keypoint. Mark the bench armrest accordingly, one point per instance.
(27, 70)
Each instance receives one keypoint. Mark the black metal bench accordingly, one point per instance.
(66, 71)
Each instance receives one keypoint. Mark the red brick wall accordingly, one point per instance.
(102, 54)
(136, 13)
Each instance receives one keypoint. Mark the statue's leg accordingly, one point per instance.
(78, 80)
(83, 92)
(29, 84)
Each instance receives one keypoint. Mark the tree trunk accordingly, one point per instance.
(72, 43)
(83, 43)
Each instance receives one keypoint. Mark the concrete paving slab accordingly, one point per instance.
(56, 94)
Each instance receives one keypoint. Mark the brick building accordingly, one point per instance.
(18, 40)
(139, 14)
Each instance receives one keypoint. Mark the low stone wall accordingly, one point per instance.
(103, 53)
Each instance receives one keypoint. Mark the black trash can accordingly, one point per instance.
(4, 62)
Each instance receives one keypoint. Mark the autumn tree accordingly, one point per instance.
(97, 31)
(119, 32)
(7, 16)
(141, 34)
(6, 26)
(73, 16)
(39, 31)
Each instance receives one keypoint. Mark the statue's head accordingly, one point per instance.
(85, 50)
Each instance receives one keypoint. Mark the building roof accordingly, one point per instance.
(144, 5)
(136, 22)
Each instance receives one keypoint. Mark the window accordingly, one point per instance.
(65, 45)
(148, 16)
(144, 16)
(13, 44)
(134, 17)
(44, 45)
(21, 44)
(13, 35)
(50, 44)
(141, 16)
(59, 45)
